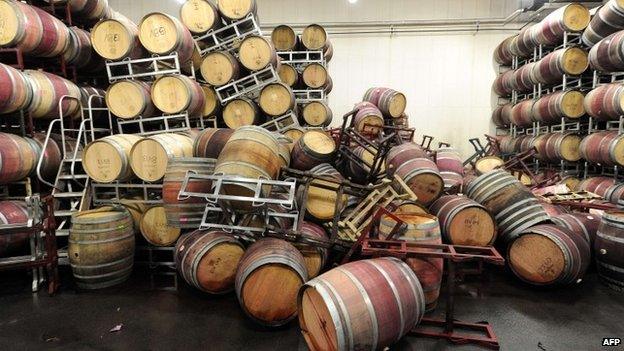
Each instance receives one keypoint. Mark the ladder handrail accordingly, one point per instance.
(90, 109)
(79, 137)
(42, 156)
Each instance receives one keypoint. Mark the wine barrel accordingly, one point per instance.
(212, 105)
(315, 76)
(570, 18)
(608, 19)
(219, 68)
(234, 10)
(549, 109)
(178, 93)
(13, 212)
(502, 85)
(128, 99)
(315, 257)
(507, 144)
(289, 75)
(315, 147)
(548, 254)
(606, 55)
(155, 228)
(513, 206)
(80, 52)
(314, 38)
(423, 177)
(108, 159)
(284, 38)
(522, 79)
(186, 212)
(256, 53)
(464, 221)
(200, 16)
(571, 182)
(360, 170)
(608, 250)
(317, 114)
(269, 263)
(523, 44)
(606, 148)
(51, 156)
(90, 10)
(400, 154)
(363, 305)
(585, 224)
(94, 99)
(502, 53)
(101, 247)
(48, 89)
(501, 117)
(18, 158)
(136, 208)
(210, 142)
(368, 119)
(322, 197)
(150, 156)
(522, 113)
(605, 102)
(487, 164)
(208, 260)
(240, 112)
(389, 101)
(276, 99)
(16, 92)
(285, 147)
(162, 34)
(560, 146)
(570, 61)
(449, 160)
(116, 39)
(596, 185)
(399, 209)
(615, 194)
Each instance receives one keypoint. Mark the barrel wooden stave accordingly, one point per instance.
(606, 148)
(48, 89)
(211, 141)
(571, 61)
(276, 99)
(177, 94)
(108, 159)
(233, 10)
(315, 257)
(241, 112)
(219, 68)
(200, 16)
(314, 148)
(464, 221)
(256, 53)
(116, 39)
(422, 176)
(608, 250)
(322, 197)
(605, 102)
(16, 93)
(155, 228)
(18, 158)
(551, 108)
(13, 212)
(150, 156)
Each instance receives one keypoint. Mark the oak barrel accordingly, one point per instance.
(312, 149)
(449, 160)
(609, 248)
(236, 9)
(607, 19)
(315, 76)
(284, 38)
(322, 198)
(503, 83)
(116, 39)
(596, 185)
(606, 148)
(571, 61)
(400, 154)
(150, 156)
(390, 102)
(129, 99)
(368, 119)
(241, 112)
(315, 257)
(315, 38)
(256, 52)
(317, 114)
(570, 18)
(464, 221)
(522, 79)
(48, 89)
(502, 53)
(210, 142)
(13, 212)
(501, 116)
(219, 68)
(398, 208)
(359, 171)
(276, 99)
(488, 163)
(108, 159)
(177, 94)
(289, 75)
(585, 224)
(80, 52)
(90, 10)
(155, 228)
(200, 16)
(549, 109)
(606, 55)
(522, 113)
(605, 102)
(18, 158)
(162, 34)
(423, 177)
(16, 92)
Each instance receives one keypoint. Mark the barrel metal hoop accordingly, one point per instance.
(415, 285)
(610, 237)
(338, 311)
(105, 241)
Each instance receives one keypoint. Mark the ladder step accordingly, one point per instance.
(62, 232)
(64, 213)
(69, 194)
(69, 176)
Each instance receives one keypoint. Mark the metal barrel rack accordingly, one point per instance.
(228, 37)
(248, 86)
(283, 123)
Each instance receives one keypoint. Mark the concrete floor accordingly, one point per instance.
(524, 318)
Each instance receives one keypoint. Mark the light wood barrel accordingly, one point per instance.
(101, 247)
(571, 61)
(15, 92)
(464, 221)
(162, 34)
(177, 93)
(129, 99)
(423, 177)
(390, 102)
(368, 119)
(596, 185)
(569, 18)
(208, 260)
(560, 146)
(18, 158)
(188, 212)
(156, 230)
(212, 105)
(609, 250)
(608, 19)
(399, 208)
(314, 38)
(365, 305)
(13, 212)
(200, 16)
(80, 52)
(585, 224)
(276, 99)
(210, 142)
(219, 68)
(570, 181)
(449, 160)
(549, 109)
(315, 147)
(317, 114)
(266, 264)
(256, 52)
(323, 195)
(289, 75)
(548, 254)
(315, 257)
(522, 113)
(503, 83)
(284, 38)
(241, 112)
(136, 210)
(315, 76)
(606, 148)
(605, 102)
(48, 89)
(522, 80)
(488, 163)
(116, 39)
(233, 10)
(108, 159)
(359, 172)
(502, 53)
(150, 156)
(294, 134)
(89, 9)
(400, 154)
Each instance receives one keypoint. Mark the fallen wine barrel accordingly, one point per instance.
(522, 79)
(16, 92)
(315, 257)
(585, 224)
(464, 221)
(559, 146)
(549, 109)
(449, 160)
(615, 194)
(422, 176)
(606, 148)
(267, 264)
(101, 247)
(13, 212)
(289, 75)
(317, 114)
(210, 142)
(596, 185)
(502, 85)
(208, 260)
(360, 171)
(362, 305)
(150, 156)
(136, 207)
(398, 208)
(571, 18)
(80, 52)
(48, 89)
(285, 147)
(276, 99)
(116, 39)
(177, 94)
(512, 204)
(241, 112)
(212, 105)
(91, 10)
(162, 34)
(608, 19)
(608, 250)
(315, 147)
(18, 158)
(108, 159)
(233, 10)
(400, 154)
(284, 38)
(507, 144)
(128, 99)
(368, 119)
(155, 228)
(322, 196)
(605, 102)
(219, 68)
(389, 101)
(256, 53)
(501, 116)
(487, 164)
(315, 76)
(522, 113)
(503, 54)
(548, 254)
(571, 182)
(570, 61)
(200, 16)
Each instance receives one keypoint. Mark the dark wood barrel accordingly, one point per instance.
(512, 204)
(162, 34)
(128, 99)
(176, 94)
(80, 53)
(606, 148)
(289, 75)
(502, 85)
(523, 44)
(155, 228)
(266, 264)
(108, 159)
(559, 146)
(314, 38)
(452, 180)
(13, 212)
(101, 247)
(368, 119)
(585, 224)
(317, 114)
(605, 102)
(322, 199)
(423, 177)
(549, 109)
(16, 92)
(502, 53)
(150, 156)
(399, 208)
(208, 260)
(200, 16)
(219, 68)
(570, 18)
(522, 79)
(48, 89)
(210, 142)
(18, 158)
(522, 113)
(464, 221)
(116, 39)
(360, 171)
(364, 305)
(608, 250)
(315, 257)
(608, 19)
(276, 99)
(90, 9)
(596, 185)
(241, 112)
(507, 144)
(606, 55)
(233, 10)
(501, 116)
(50, 157)
(400, 154)
(571, 61)
(315, 147)
(284, 38)
(449, 160)
(186, 212)
(256, 53)
(615, 194)
(390, 102)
